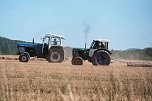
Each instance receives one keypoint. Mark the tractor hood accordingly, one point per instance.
(81, 52)
(26, 45)
(79, 49)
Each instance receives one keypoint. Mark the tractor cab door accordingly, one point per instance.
(41, 50)
(38, 49)
(94, 46)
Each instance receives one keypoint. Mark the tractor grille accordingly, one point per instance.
(21, 49)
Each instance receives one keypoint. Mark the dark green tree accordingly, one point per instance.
(8, 46)
(148, 51)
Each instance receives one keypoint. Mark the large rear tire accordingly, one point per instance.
(55, 55)
(101, 57)
(77, 61)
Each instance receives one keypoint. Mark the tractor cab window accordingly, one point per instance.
(99, 45)
(95, 45)
(55, 41)
(106, 45)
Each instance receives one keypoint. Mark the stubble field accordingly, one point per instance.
(42, 81)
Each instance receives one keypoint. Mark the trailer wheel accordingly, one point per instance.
(24, 57)
(77, 61)
(55, 55)
(101, 57)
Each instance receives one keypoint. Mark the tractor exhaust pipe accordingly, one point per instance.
(85, 45)
(33, 40)
(86, 32)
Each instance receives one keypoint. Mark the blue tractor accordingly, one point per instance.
(51, 49)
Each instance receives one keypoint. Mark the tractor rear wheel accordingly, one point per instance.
(101, 57)
(77, 61)
(55, 55)
(24, 58)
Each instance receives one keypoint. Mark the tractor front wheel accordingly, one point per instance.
(77, 61)
(24, 58)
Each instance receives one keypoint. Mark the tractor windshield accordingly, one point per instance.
(99, 44)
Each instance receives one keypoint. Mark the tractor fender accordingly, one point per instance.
(91, 52)
(26, 54)
(104, 50)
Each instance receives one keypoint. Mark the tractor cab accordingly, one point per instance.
(52, 40)
(99, 44)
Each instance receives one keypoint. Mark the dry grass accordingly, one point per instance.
(42, 81)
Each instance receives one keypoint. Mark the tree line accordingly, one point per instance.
(8, 46)
(133, 54)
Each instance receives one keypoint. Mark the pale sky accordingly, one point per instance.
(126, 23)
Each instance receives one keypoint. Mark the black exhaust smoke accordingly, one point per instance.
(86, 32)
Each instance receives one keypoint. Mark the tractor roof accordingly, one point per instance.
(53, 35)
(102, 40)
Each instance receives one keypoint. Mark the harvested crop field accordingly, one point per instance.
(39, 80)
